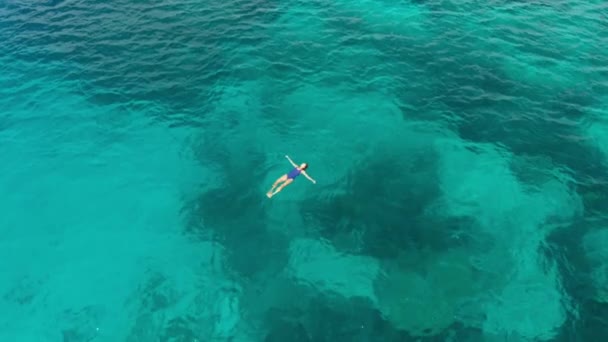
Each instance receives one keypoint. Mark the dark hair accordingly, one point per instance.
(305, 166)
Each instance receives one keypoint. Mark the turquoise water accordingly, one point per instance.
(460, 151)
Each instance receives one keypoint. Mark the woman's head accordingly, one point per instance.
(303, 166)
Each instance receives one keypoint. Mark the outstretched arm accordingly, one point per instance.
(309, 178)
(291, 161)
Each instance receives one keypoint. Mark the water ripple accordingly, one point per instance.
(426, 105)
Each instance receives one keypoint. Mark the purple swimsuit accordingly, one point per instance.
(295, 172)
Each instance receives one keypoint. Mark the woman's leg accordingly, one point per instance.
(279, 180)
(286, 183)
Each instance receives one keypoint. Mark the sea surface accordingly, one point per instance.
(460, 150)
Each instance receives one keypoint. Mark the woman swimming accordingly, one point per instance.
(286, 179)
